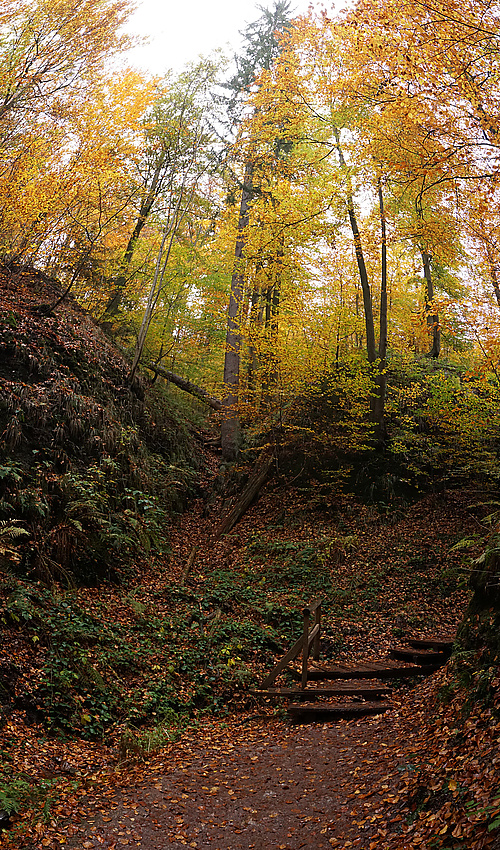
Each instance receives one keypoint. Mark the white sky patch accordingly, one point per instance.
(179, 32)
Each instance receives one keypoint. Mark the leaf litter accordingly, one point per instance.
(422, 775)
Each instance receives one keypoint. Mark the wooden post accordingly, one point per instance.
(305, 646)
(317, 622)
(189, 564)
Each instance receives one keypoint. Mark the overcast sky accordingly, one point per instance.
(180, 30)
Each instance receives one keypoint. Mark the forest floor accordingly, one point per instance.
(255, 784)
(422, 775)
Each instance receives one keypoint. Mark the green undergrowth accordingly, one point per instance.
(141, 656)
(147, 655)
(158, 654)
(442, 430)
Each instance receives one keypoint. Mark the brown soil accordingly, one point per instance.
(255, 785)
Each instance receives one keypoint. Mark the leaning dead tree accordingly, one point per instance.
(187, 386)
(256, 481)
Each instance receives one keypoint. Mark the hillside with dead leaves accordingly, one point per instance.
(92, 467)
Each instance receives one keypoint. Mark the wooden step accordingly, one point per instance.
(374, 691)
(306, 712)
(418, 656)
(371, 670)
(441, 645)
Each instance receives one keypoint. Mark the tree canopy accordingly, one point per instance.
(365, 145)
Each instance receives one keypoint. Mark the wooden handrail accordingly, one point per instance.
(313, 606)
(309, 637)
(313, 634)
(285, 661)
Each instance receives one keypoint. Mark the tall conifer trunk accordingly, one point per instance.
(230, 424)
(262, 48)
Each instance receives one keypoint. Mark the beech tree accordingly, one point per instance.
(66, 199)
(175, 131)
(52, 70)
(50, 49)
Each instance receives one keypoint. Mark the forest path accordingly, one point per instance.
(258, 784)
(252, 779)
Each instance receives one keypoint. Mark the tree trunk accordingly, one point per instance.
(339, 326)
(187, 386)
(432, 317)
(256, 312)
(156, 287)
(113, 304)
(378, 407)
(272, 330)
(255, 483)
(230, 429)
(377, 401)
(382, 346)
(493, 273)
(363, 274)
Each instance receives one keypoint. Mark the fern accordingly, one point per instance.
(465, 543)
(10, 532)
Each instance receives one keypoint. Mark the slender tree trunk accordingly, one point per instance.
(274, 325)
(382, 347)
(378, 406)
(495, 283)
(74, 278)
(432, 317)
(377, 401)
(363, 274)
(339, 324)
(253, 358)
(230, 429)
(113, 304)
(169, 234)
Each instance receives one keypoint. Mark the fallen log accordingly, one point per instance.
(187, 386)
(255, 483)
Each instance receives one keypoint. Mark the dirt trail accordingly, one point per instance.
(260, 785)
(259, 782)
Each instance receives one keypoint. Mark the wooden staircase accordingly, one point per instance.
(351, 695)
